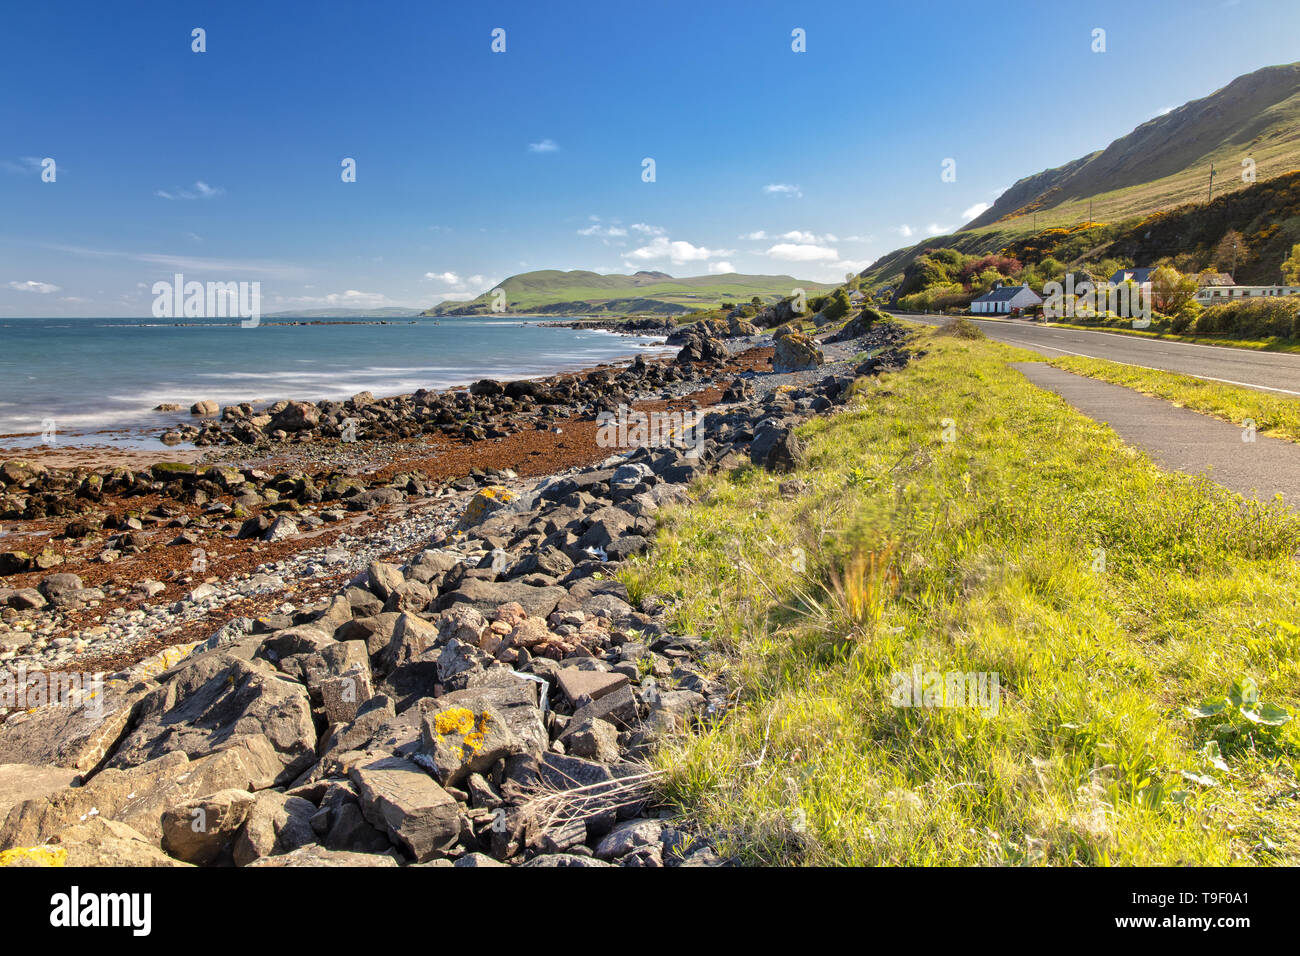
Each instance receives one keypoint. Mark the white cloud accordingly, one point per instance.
(802, 252)
(24, 165)
(230, 268)
(760, 234)
(906, 231)
(720, 268)
(646, 230)
(783, 189)
(350, 299)
(201, 191)
(677, 251)
(545, 146)
(596, 229)
(936, 230)
(455, 283)
(44, 288)
(976, 210)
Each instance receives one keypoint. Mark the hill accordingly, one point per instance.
(391, 312)
(1164, 163)
(577, 292)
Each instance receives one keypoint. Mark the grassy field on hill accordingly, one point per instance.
(582, 290)
(1108, 596)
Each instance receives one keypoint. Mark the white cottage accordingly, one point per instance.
(1005, 299)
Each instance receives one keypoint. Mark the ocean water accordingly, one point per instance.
(97, 380)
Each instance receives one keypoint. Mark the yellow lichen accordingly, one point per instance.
(457, 720)
(34, 856)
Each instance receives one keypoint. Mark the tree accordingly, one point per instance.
(1231, 252)
(1171, 290)
(1291, 267)
(838, 307)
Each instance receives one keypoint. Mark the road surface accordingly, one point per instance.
(1277, 372)
(1179, 439)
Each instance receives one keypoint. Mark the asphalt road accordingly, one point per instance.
(1268, 371)
(1179, 439)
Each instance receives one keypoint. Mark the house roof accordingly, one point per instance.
(1004, 293)
(1216, 278)
(1137, 275)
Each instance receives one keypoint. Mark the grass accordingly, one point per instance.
(1273, 415)
(1107, 596)
(1259, 345)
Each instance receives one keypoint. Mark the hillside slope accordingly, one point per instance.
(1163, 164)
(1166, 161)
(578, 292)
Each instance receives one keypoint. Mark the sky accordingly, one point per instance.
(472, 165)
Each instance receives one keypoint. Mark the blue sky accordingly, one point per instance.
(473, 165)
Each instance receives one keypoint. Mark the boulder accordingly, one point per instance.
(295, 417)
(77, 738)
(202, 831)
(96, 842)
(458, 741)
(316, 855)
(276, 823)
(400, 798)
(215, 700)
(796, 352)
(139, 795)
(487, 596)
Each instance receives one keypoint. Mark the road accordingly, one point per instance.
(1268, 371)
(1179, 439)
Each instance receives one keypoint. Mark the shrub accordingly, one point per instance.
(1252, 318)
(961, 328)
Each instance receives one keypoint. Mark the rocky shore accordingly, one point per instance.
(394, 667)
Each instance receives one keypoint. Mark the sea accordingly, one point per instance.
(95, 382)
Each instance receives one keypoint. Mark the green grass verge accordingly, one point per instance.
(1107, 596)
(1258, 345)
(1274, 415)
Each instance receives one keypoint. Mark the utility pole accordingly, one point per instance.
(1210, 197)
(1234, 263)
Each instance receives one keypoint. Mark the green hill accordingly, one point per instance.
(552, 292)
(1163, 164)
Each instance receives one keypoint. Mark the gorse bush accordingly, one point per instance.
(1252, 318)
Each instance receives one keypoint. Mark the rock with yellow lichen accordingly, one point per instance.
(97, 842)
(458, 741)
(487, 502)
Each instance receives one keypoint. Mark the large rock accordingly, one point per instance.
(277, 823)
(316, 855)
(20, 781)
(74, 737)
(458, 741)
(97, 842)
(202, 831)
(777, 448)
(796, 352)
(138, 796)
(401, 799)
(486, 596)
(295, 417)
(215, 700)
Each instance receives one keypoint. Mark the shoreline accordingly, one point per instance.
(425, 473)
(139, 428)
